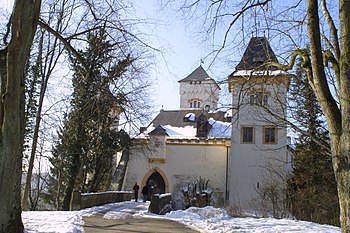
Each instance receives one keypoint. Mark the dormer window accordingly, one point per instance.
(259, 59)
(189, 117)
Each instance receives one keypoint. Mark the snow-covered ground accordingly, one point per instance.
(208, 219)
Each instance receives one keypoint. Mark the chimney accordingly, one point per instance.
(143, 129)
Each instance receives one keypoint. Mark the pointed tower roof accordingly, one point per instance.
(198, 74)
(257, 53)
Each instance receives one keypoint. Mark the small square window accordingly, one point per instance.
(269, 135)
(247, 134)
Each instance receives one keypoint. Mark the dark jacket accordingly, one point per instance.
(144, 190)
(136, 188)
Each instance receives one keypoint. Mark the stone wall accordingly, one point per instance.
(160, 204)
(85, 200)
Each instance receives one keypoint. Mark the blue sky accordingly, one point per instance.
(181, 50)
(181, 53)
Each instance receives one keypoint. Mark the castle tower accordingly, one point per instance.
(259, 138)
(199, 91)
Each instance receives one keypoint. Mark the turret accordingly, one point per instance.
(259, 136)
(198, 90)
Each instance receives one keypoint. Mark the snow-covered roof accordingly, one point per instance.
(171, 131)
(258, 73)
(187, 131)
(190, 116)
(218, 129)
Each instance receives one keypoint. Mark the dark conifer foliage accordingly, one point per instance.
(83, 156)
(313, 190)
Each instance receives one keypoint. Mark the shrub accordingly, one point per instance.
(197, 193)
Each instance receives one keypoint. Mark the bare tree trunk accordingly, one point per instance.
(119, 174)
(28, 183)
(342, 160)
(24, 22)
(337, 118)
(342, 173)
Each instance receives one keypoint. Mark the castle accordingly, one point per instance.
(239, 151)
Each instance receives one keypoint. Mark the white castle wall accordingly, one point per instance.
(207, 92)
(250, 163)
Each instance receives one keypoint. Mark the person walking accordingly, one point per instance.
(136, 191)
(145, 193)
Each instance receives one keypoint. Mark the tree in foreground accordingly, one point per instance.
(13, 58)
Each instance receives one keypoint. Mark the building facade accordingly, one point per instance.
(259, 137)
(185, 145)
(235, 150)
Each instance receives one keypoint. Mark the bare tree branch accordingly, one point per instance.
(65, 42)
(332, 28)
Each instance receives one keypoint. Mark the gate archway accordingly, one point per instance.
(156, 181)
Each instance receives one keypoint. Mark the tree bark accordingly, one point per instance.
(341, 161)
(341, 167)
(24, 22)
(27, 188)
(119, 174)
(338, 117)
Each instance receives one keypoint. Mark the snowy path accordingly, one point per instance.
(98, 224)
(206, 220)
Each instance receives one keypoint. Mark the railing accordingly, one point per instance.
(85, 200)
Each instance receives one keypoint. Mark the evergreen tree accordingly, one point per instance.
(83, 157)
(66, 160)
(313, 186)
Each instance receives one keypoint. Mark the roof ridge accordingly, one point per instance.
(198, 74)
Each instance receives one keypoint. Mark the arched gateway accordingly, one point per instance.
(156, 181)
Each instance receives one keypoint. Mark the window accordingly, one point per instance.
(251, 99)
(259, 98)
(269, 135)
(195, 103)
(247, 134)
